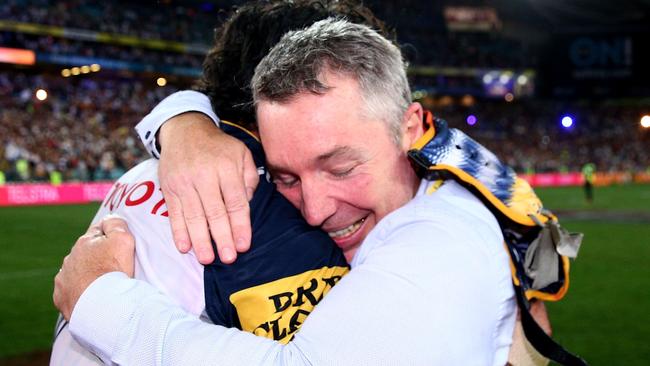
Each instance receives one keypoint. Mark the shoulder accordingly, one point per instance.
(452, 204)
(248, 138)
(449, 221)
(446, 242)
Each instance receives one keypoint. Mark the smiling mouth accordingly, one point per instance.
(345, 232)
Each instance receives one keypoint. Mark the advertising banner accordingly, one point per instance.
(47, 194)
(596, 65)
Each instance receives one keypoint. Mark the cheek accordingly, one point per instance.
(357, 191)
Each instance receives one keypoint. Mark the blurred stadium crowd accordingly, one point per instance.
(193, 23)
(530, 137)
(83, 130)
(142, 19)
(55, 46)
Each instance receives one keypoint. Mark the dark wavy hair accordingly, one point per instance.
(247, 36)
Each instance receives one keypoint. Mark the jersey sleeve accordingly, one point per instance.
(173, 105)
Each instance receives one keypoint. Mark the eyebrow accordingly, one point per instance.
(274, 169)
(340, 152)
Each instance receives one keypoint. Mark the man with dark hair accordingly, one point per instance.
(246, 37)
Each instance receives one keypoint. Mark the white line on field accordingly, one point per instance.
(26, 274)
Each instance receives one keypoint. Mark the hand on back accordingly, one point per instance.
(207, 179)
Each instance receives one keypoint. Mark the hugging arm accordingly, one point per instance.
(207, 177)
(382, 310)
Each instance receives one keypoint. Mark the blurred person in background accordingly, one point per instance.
(588, 171)
(108, 169)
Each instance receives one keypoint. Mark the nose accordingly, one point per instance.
(317, 203)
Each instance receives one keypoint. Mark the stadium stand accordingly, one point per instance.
(82, 130)
(530, 137)
(63, 46)
(143, 19)
(194, 24)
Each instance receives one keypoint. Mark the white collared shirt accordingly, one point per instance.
(430, 285)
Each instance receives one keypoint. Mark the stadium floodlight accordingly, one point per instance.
(41, 94)
(161, 81)
(522, 79)
(645, 121)
(567, 121)
(471, 120)
(445, 100)
(467, 100)
(487, 79)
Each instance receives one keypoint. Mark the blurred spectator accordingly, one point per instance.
(107, 169)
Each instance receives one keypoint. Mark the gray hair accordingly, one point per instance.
(297, 63)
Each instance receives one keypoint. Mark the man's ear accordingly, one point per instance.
(412, 126)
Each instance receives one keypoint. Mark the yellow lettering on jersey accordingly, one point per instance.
(277, 309)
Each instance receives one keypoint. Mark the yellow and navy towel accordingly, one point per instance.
(271, 289)
(539, 248)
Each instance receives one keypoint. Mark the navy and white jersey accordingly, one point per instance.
(268, 291)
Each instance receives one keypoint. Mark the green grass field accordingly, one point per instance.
(604, 317)
(34, 242)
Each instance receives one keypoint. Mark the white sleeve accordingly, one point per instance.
(173, 105)
(406, 303)
(130, 323)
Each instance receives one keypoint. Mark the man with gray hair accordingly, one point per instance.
(430, 281)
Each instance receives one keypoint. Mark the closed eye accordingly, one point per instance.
(285, 180)
(341, 173)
